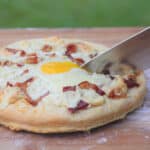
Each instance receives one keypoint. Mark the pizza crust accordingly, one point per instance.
(40, 119)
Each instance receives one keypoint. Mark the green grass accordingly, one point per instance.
(74, 13)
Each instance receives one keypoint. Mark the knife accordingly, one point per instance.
(135, 50)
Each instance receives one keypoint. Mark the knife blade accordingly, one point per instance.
(134, 50)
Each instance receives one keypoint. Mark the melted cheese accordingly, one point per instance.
(54, 81)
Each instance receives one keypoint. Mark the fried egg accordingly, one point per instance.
(57, 67)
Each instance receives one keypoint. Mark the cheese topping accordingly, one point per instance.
(52, 74)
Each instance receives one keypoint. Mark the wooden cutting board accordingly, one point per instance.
(131, 133)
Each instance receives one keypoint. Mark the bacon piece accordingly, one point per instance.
(23, 87)
(98, 90)
(84, 85)
(25, 71)
(71, 48)
(11, 50)
(32, 58)
(19, 64)
(14, 51)
(9, 84)
(79, 61)
(88, 85)
(80, 106)
(116, 93)
(47, 48)
(32, 55)
(51, 55)
(28, 80)
(10, 63)
(69, 88)
(131, 83)
(22, 53)
(7, 63)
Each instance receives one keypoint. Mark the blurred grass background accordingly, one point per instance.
(74, 13)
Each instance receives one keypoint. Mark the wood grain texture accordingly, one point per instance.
(131, 133)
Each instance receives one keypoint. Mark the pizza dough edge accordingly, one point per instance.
(62, 121)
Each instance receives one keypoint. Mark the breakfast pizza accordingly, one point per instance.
(44, 89)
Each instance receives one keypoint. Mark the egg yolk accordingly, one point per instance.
(58, 67)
